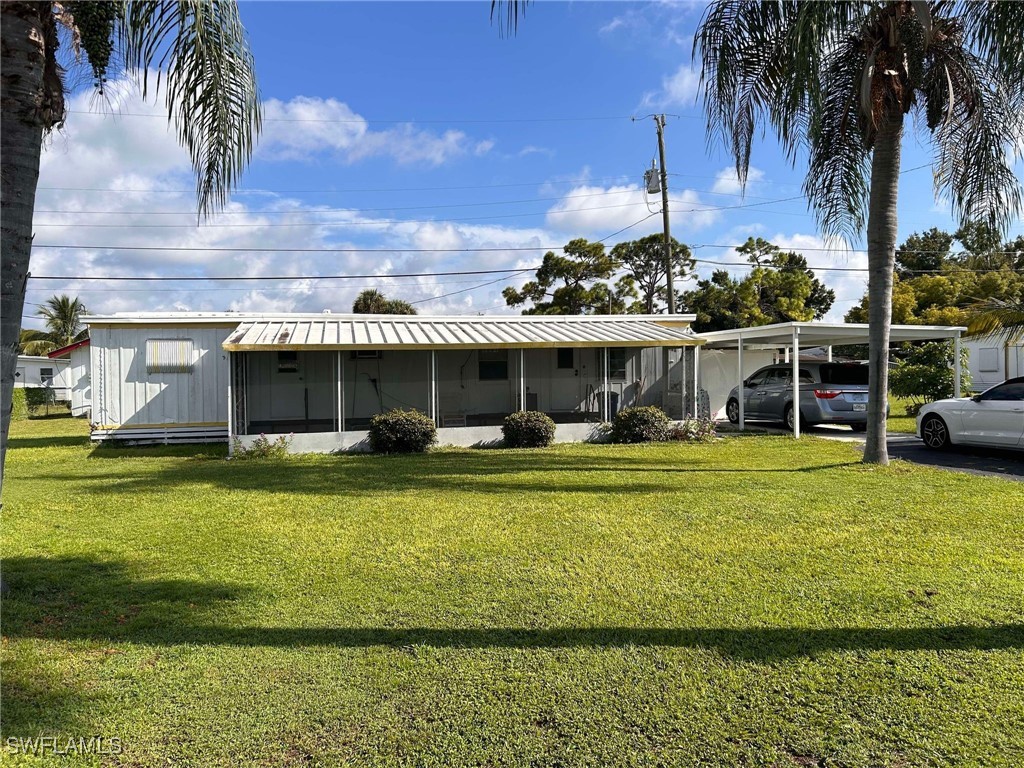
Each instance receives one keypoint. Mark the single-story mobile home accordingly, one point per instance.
(992, 360)
(321, 378)
(76, 375)
(40, 372)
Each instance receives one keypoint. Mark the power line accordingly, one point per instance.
(366, 121)
(191, 278)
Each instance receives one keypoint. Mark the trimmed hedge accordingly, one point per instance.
(528, 429)
(400, 431)
(19, 405)
(642, 424)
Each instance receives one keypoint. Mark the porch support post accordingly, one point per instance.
(796, 381)
(231, 400)
(341, 386)
(696, 380)
(828, 353)
(606, 401)
(339, 394)
(432, 395)
(956, 365)
(682, 383)
(522, 379)
(740, 389)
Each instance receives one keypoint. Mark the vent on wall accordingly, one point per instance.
(169, 355)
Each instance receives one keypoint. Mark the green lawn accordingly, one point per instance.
(756, 602)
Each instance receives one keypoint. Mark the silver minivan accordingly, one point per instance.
(830, 393)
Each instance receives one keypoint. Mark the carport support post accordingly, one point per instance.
(741, 395)
(795, 357)
(956, 365)
(828, 353)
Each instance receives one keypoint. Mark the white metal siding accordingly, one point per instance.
(127, 395)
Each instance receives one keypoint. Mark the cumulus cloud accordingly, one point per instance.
(678, 89)
(595, 211)
(155, 208)
(728, 183)
(306, 128)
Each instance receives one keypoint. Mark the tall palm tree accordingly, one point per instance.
(207, 74)
(838, 79)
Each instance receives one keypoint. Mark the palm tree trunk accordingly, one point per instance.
(885, 178)
(29, 106)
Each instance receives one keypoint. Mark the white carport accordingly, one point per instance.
(791, 337)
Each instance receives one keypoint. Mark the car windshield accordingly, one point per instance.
(844, 374)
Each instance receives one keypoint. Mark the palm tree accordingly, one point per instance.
(63, 317)
(373, 302)
(207, 73)
(838, 79)
(997, 317)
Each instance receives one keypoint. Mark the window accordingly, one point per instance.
(779, 377)
(287, 362)
(366, 354)
(806, 378)
(169, 356)
(617, 363)
(1009, 391)
(566, 357)
(46, 376)
(757, 379)
(988, 359)
(844, 373)
(493, 364)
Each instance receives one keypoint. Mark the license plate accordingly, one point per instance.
(860, 406)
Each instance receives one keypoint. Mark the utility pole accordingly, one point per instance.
(659, 120)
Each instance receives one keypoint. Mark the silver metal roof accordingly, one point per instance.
(325, 332)
(821, 334)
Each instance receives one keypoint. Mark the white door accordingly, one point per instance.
(565, 379)
(996, 417)
(287, 388)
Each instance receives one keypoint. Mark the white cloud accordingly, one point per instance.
(594, 211)
(678, 89)
(305, 128)
(728, 183)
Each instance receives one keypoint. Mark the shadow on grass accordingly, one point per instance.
(47, 442)
(82, 599)
(446, 471)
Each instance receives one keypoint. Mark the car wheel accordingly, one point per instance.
(788, 417)
(732, 411)
(934, 432)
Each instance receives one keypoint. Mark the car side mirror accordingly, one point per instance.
(976, 398)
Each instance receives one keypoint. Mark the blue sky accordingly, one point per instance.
(418, 139)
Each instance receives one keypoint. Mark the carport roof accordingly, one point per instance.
(378, 332)
(822, 335)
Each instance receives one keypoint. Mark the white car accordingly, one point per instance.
(994, 419)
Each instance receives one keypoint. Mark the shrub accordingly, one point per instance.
(400, 431)
(694, 430)
(263, 448)
(528, 429)
(19, 405)
(926, 373)
(642, 424)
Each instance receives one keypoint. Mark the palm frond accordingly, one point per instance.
(508, 22)
(202, 57)
(839, 164)
(999, 318)
(996, 30)
(977, 124)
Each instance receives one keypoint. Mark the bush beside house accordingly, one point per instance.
(528, 429)
(641, 424)
(401, 431)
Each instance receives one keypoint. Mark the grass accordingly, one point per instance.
(759, 601)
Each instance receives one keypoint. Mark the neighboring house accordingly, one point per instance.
(992, 360)
(211, 376)
(39, 371)
(76, 375)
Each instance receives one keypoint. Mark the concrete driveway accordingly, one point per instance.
(975, 461)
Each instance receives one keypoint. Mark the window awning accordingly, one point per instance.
(510, 332)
